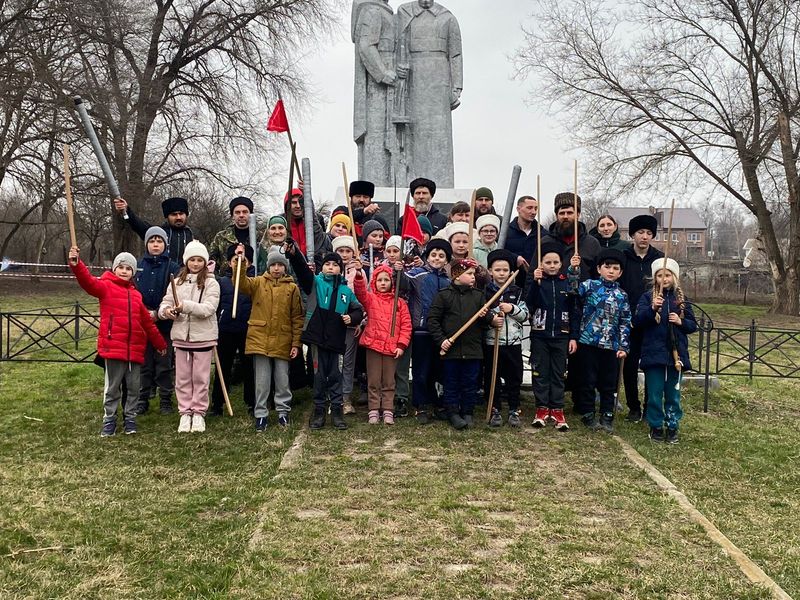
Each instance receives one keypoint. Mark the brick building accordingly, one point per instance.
(689, 232)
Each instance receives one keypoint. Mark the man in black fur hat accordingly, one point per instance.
(422, 191)
(364, 209)
(176, 213)
(562, 233)
(635, 279)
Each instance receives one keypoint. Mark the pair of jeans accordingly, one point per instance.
(664, 396)
(460, 380)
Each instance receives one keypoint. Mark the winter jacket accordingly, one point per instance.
(522, 244)
(276, 319)
(656, 341)
(297, 229)
(152, 281)
(588, 248)
(125, 323)
(451, 308)
(225, 320)
(217, 249)
(606, 319)
(481, 253)
(554, 308)
(511, 331)
(423, 283)
(177, 237)
(615, 241)
(379, 307)
(637, 272)
(437, 219)
(329, 299)
(197, 322)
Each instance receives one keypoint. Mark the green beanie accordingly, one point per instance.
(484, 192)
(277, 220)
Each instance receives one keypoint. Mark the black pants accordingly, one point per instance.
(327, 377)
(549, 362)
(159, 371)
(630, 373)
(509, 375)
(424, 367)
(599, 369)
(228, 345)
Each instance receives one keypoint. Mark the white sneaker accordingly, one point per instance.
(198, 424)
(185, 426)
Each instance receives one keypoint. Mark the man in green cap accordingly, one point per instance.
(484, 203)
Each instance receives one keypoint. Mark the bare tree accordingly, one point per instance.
(704, 91)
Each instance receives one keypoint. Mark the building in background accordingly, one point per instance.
(689, 232)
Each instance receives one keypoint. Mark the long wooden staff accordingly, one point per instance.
(73, 238)
(476, 316)
(619, 384)
(236, 287)
(349, 207)
(470, 231)
(495, 357)
(539, 223)
(575, 182)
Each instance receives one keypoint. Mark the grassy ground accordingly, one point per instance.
(403, 512)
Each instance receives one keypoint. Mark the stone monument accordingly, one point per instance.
(408, 79)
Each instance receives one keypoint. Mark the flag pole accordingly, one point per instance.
(291, 141)
(397, 280)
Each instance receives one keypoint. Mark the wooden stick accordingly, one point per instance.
(174, 289)
(349, 207)
(495, 356)
(575, 181)
(619, 384)
(667, 244)
(73, 238)
(475, 317)
(538, 223)
(222, 383)
(236, 286)
(471, 230)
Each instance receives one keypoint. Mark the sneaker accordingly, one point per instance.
(401, 409)
(129, 426)
(198, 424)
(588, 420)
(261, 424)
(541, 417)
(165, 406)
(337, 417)
(557, 414)
(347, 406)
(283, 421)
(317, 420)
(422, 417)
(388, 417)
(185, 425)
(656, 434)
(496, 419)
(143, 406)
(606, 422)
(672, 436)
(109, 428)
(456, 421)
(513, 419)
(634, 416)
(469, 420)
(373, 417)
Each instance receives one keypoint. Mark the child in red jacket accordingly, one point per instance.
(383, 348)
(125, 328)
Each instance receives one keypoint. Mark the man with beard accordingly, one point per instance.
(562, 233)
(639, 261)
(484, 203)
(522, 237)
(176, 213)
(294, 209)
(422, 192)
(238, 232)
(364, 209)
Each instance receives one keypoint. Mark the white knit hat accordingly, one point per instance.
(195, 248)
(124, 258)
(395, 242)
(671, 265)
(343, 241)
(485, 220)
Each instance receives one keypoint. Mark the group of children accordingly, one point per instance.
(442, 316)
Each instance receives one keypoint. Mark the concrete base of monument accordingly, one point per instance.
(388, 198)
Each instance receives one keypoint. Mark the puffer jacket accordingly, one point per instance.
(225, 320)
(554, 310)
(511, 331)
(379, 307)
(152, 281)
(125, 323)
(197, 322)
(615, 241)
(423, 284)
(276, 319)
(451, 309)
(606, 320)
(656, 340)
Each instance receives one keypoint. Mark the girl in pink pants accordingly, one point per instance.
(194, 335)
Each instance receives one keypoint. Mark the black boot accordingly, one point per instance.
(165, 405)
(143, 406)
(456, 421)
(337, 417)
(317, 420)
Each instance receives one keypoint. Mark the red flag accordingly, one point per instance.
(277, 120)
(411, 228)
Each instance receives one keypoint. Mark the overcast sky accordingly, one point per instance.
(494, 128)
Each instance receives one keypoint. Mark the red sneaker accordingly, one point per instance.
(558, 416)
(540, 420)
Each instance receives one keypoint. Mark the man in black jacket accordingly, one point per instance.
(422, 191)
(522, 237)
(176, 213)
(635, 278)
(562, 233)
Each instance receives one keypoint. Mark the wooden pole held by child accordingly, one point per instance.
(495, 357)
(349, 206)
(73, 238)
(539, 222)
(486, 306)
(575, 182)
(222, 383)
(619, 384)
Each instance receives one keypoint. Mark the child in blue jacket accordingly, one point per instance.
(666, 321)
